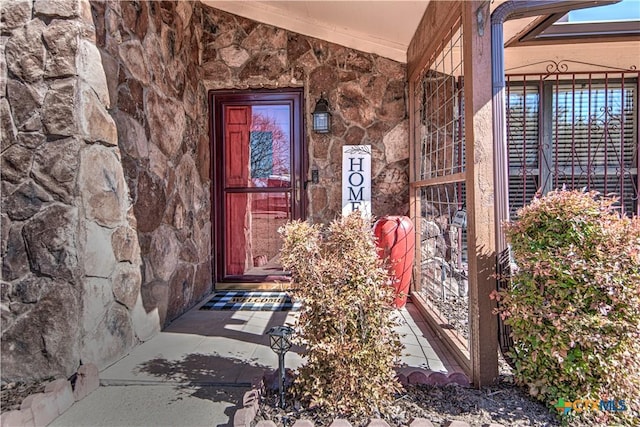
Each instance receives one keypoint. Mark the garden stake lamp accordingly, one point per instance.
(280, 343)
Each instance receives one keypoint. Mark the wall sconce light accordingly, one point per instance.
(280, 343)
(321, 116)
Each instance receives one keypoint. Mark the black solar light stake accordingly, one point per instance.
(280, 343)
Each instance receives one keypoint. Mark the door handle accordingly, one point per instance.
(297, 190)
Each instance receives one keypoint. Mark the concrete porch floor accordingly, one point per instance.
(195, 371)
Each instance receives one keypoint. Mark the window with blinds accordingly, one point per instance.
(574, 133)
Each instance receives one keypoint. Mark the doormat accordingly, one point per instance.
(251, 301)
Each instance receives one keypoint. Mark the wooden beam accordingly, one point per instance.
(439, 180)
(414, 200)
(454, 343)
(480, 194)
(437, 20)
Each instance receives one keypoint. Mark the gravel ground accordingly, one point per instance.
(503, 403)
(456, 311)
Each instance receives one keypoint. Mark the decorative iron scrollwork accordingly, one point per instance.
(557, 67)
(562, 66)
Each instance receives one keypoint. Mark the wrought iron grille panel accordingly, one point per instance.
(443, 255)
(438, 185)
(574, 131)
(439, 105)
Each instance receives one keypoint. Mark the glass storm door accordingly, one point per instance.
(258, 164)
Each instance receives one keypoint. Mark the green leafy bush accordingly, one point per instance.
(574, 302)
(346, 321)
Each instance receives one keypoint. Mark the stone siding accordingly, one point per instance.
(150, 52)
(366, 93)
(106, 209)
(70, 256)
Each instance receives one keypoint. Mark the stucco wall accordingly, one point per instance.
(576, 57)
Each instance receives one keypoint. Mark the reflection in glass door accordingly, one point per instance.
(257, 180)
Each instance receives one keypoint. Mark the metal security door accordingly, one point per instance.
(258, 165)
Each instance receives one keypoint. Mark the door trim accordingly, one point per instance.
(217, 100)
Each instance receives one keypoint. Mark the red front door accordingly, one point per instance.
(258, 180)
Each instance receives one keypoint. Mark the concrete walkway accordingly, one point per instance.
(196, 371)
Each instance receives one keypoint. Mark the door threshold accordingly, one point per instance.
(253, 286)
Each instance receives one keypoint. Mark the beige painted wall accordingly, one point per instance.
(534, 59)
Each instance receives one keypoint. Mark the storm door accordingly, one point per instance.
(258, 164)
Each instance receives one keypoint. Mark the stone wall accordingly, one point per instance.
(106, 232)
(150, 52)
(70, 256)
(367, 95)
(161, 58)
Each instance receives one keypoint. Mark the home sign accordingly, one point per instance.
(356, 179)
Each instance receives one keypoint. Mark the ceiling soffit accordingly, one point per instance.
(381, 27)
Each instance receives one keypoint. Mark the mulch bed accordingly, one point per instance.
(13, 393)
(503, 403)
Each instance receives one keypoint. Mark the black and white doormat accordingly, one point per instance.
(251, 301)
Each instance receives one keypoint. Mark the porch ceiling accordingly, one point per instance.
(384, 27)
(381, 27)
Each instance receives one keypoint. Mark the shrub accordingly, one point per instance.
(574, 302)
(346, 322)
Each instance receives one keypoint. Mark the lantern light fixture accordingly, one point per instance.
(321, 116)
